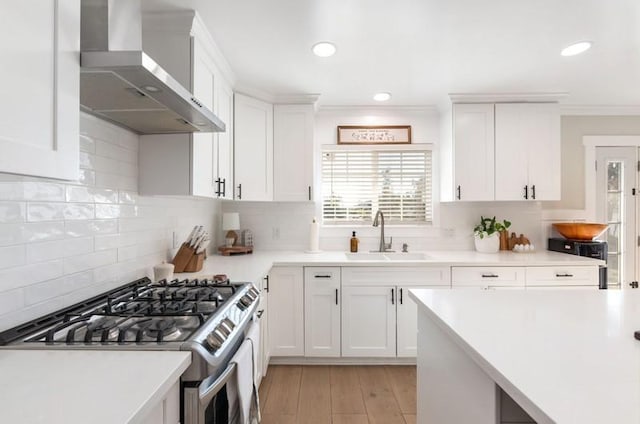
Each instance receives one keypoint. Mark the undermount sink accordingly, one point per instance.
(366, 256)
(400, 256)
(386, 256)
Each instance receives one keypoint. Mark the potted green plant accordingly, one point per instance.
(487, 234)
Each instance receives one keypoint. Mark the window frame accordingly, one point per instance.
(430, 147)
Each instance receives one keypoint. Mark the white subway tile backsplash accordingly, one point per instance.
(91, 227)
(12, 300)
(91, 195)
(12, 256)
(62, 242)
(21, 276)
(89, 261)
(45, 212)
(40, 252)
(75, 211)
(12, 212)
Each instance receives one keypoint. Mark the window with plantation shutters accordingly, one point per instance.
(356, 183)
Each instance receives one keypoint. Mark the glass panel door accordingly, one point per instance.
(616, 180)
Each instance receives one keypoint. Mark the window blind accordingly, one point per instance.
(356, 183)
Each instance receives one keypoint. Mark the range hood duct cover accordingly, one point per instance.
(119, 82)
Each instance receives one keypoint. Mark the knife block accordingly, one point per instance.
(187, 260)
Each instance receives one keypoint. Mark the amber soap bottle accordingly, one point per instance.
(354, 242)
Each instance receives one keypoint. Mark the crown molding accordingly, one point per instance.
(507, 97)
(599, 110)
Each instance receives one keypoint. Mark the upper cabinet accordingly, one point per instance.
(198, 164)
(527, 151)
(253, 148)
(293, 152)
(501, 151)
(39, 85)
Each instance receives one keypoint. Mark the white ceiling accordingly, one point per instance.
(420, 50)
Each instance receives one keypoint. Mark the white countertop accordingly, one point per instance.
(253, 267)
(78, 387)
(571, 354)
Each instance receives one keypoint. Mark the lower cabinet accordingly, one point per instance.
(530, 277)
(380, 319)
(286, 311)
(263, 320)
(369, 321)
(167, 411)
(322, 306)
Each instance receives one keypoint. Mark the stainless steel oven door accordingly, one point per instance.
(207, 403)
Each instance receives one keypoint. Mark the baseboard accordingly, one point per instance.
(300, 360)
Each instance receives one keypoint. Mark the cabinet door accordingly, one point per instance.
(286, 304)
(407, 322)
(39, 88)
(253, 149)
(369, 321)
(263, 311)
(322, 311)
(487, 277)
(542, 126)
(527, 151)
(293, 152)
(202, 149)
(473, 132)
(511, 153)
(225, 141)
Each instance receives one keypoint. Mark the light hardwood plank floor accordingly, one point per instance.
(339, 395)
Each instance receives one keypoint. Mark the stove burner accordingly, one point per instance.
(106, 326)
(160, 330)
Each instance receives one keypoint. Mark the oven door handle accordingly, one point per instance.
(210, 386)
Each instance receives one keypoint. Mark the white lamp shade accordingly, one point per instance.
(230, 221)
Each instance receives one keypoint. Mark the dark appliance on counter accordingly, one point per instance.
(207, 317)
(591, 249)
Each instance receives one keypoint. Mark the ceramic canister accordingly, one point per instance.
(163, 271)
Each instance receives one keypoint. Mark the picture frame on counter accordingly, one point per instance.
(374, 134)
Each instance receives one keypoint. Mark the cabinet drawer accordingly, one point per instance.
(562, 276)
(416, 276)
(329, 274)
(487, 276)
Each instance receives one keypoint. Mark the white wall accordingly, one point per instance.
(63, 242)
(285, 226)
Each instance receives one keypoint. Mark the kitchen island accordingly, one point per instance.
(76, 387)
(563, 356)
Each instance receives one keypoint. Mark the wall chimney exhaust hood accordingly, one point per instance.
(119, 82)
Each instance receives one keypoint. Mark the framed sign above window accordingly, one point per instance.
(383, 134)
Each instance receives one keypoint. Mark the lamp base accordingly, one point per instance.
(231, 238)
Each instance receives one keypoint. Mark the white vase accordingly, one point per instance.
(488, 244)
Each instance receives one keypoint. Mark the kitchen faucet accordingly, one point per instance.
(379, 220)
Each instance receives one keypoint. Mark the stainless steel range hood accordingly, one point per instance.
(119, 82)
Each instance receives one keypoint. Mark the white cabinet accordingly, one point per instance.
(167, 411)
(293, 152)
(322, 311)
(286, 311)
(378, 317)
(197, 164)
(473, 152)
(262, 316)
(369, 321)
(562, 277)
(39, 88)
(488, 277)
(253, 148)
(527, 151)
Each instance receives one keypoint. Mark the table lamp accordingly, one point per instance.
(231, 223)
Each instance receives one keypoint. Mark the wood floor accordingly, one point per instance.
(339, 395)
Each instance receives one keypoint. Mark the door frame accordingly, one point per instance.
(591, 143)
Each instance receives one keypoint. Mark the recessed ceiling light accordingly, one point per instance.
(381, 97)
(324, 49)
(576, 48)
